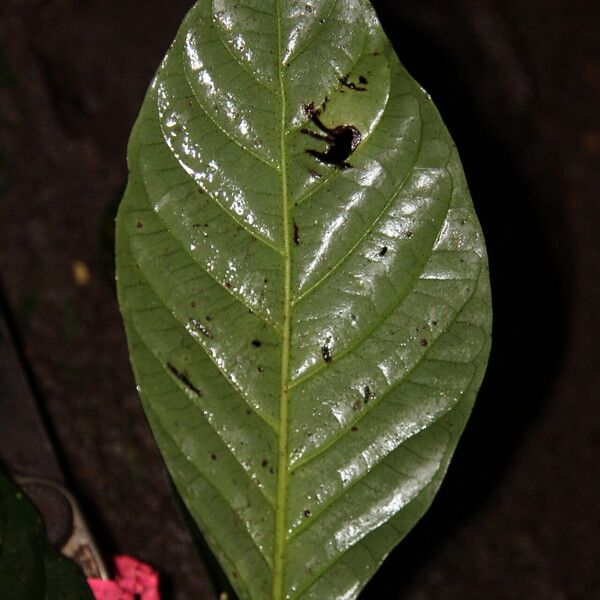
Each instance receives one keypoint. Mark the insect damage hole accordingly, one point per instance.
(345, 81)
(342, 140)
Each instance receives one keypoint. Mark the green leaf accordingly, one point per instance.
(308, 339)
(29, 568)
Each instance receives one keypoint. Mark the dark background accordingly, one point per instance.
(518, 83)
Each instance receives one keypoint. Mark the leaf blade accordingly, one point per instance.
(323, 330)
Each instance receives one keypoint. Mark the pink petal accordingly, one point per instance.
(135, 577)
(108, 590)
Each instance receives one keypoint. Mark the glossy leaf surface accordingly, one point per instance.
(307, 337)
(29, 568)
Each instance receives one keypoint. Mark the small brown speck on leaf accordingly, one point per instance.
(424, 343)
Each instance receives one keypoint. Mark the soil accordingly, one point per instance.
(518, 83)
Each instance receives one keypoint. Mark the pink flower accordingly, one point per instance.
(134, 580)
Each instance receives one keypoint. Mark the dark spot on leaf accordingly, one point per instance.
(326, 354)
(307, 513)
(296, 234)
(256, 343)
(228, 285)
(183, 377)
(363, 80)
(351, 85)
(261, 370)
(213, 456)
(200, 328)
(434, 323)
(309, 8)
(383, 251)
(355, 428)
(424, 343)
(208, 318)
(409, 234)
(193, 304)
(264, 463)
(139, 225)
(200, 191)
(248, 412)
(367, 393)
(271, 470)
(342, 140)
(357, 405)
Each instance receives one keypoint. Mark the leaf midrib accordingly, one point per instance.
(282, 446)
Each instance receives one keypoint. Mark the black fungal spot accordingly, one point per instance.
(139, 225)
(296, 234)
(434, 323)
(261, 370)
(343, 140)
(183, 377)
(354, 429)
(326, 354)
(363, 80)
(248, 412)
(367, 393)
(208, 318)
(424, 343)
(271, 470)
(200, 328)
(264, 463)
(256, 343)
(383, 251)
(213, 456)
(307, 513)
(351, 85)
